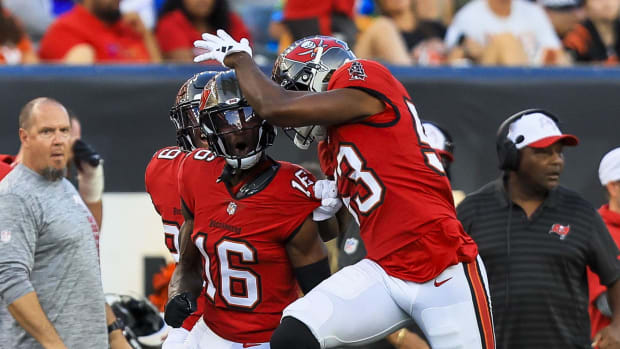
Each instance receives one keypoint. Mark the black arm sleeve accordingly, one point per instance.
(311, 275)
(603, 254)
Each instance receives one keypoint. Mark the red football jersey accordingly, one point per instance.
(160, 180)
(393, 182)
(326, 158)
(248, 275)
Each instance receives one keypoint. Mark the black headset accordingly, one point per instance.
(507, 152)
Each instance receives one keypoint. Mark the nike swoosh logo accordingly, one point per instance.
(437, 284)
(249, 345)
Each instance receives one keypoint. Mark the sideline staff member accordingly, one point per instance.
(609, 174)
(536, 239)
(49, 271)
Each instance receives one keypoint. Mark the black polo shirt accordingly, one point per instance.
(537, 267)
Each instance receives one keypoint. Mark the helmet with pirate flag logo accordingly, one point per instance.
(307, 65)
(234, 131)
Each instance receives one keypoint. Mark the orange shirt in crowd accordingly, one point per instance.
(597, 320)
(175, 31)
(15, 54)
(112, 43)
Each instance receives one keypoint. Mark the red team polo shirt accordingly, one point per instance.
(248, 273)
(174, 31)
(160, 180)
(112, 43)
(392, 181)
(598, 320)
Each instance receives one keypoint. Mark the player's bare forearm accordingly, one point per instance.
(29, 315)
(308, 255)
(328, 229)
(306, 247)
(296, 108)
(344, 218)
(187, 274)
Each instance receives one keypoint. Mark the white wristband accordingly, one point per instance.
(90, 182)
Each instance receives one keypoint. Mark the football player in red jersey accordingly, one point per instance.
(160, 178)
(420, 265)
(250, 227)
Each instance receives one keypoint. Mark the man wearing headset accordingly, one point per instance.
(536, 239)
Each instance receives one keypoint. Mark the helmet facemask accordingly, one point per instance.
(233, 130)
(185, 120)
(237, 134)
(184, 114)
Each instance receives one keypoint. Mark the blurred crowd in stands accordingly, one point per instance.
(399, 32)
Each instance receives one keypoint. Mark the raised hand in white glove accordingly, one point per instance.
(219, 46)
(326, 191)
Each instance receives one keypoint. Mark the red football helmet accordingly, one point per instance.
(184, 113)
(234, 131)
(307, 65)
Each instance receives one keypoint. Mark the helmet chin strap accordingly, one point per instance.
(245, 163)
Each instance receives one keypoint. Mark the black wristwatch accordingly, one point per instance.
(118, 324)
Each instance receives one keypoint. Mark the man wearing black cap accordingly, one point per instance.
(536, 239)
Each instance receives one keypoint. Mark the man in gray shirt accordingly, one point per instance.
(49, 272)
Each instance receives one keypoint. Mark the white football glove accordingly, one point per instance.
(219, 46)
(326, 191)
